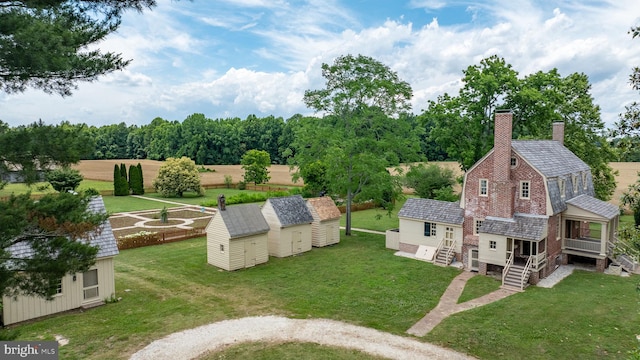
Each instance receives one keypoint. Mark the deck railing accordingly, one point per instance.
(586, 245)
(527, 267)
(507, 266)
(450, 250)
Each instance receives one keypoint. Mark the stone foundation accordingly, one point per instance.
(482, 268)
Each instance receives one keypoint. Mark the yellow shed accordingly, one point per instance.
(325, 229)
(289, 222)
(84, 290)
(237, 237)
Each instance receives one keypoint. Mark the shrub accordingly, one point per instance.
(228, 181)
(242, 185)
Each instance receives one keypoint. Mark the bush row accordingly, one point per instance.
(245, 198)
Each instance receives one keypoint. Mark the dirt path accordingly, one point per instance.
(190, 344)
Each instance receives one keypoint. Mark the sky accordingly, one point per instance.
(234, 58)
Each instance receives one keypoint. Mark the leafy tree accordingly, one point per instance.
(430, 181)
(64, 179)
(177, 176)
(228, 181)
(38, 147)
(631, 198)
(313, 175)
(463, 125)
(255, 164)
(358, 138)
(50, 45)
(628, 126)
(51, 227)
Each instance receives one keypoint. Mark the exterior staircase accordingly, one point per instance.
(444, 256)
(516, 278)
(624, 256)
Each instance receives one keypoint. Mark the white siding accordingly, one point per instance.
(24, 308)
(217, 234)
(412, 232)
(491, 256)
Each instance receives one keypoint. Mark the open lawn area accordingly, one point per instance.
(168, 288)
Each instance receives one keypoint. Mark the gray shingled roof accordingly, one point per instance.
(244, 220)
(291, 210)
(596, 206)
(432, 210)
(550, 157)
(105, 241)
(520, 227)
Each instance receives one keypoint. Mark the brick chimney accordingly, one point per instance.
(558, 132)
(502, 195)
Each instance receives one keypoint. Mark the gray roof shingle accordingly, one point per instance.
(291, 210)
(550, 157)
(103, 239)
(596, 206)
(244, 220)
(432, 210)
(520, 227)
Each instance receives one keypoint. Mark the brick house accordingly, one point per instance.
(527, 207)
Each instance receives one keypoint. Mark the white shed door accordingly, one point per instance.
(296, 242)
(249, 253)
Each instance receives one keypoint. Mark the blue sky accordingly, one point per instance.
(233, 58)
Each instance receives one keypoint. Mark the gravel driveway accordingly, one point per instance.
(192, 343)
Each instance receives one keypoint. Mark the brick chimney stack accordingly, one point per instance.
(502, 195)
(558, 132)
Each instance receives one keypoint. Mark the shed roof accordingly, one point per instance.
(595, 206)
(524, 227)
(432, 210)
(550, 157)
(243, 220)
(325, 207)
(291, 210)
(103, 238)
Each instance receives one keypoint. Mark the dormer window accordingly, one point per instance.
(574, 180)
(561, 183)
(584, 180)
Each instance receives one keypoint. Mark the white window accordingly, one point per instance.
(90, 284)
(493, 245)
(525, 190)
(561, 182)
(429, 229)
(58, 287)
(584, 180)
(222, 248)
(478, 224)
(574, 180)
(483, 188)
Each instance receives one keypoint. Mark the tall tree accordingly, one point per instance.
(178, 176)
(38, 147)
(48, 228)
(255, 164)
(463, 124)
(50, 45)
(359, 137)
(628, 126)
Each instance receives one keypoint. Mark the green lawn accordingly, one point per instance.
(170, 287)
(287, 351)
(374, 219)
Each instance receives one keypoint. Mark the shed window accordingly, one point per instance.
(58, 287)
(483, 187)
(222, 248)
(525, 190)
(90, 284)
(493, 245)
(429, 229)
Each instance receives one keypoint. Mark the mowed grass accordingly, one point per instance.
(171, 287)
(375, 219)
(287, 351)
(586, 316)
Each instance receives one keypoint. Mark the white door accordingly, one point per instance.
(473, 259)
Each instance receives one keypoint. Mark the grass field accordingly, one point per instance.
(170, 287)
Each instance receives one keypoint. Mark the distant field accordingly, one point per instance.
(103, 170)
(280, 174)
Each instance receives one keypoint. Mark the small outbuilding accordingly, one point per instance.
(325, 229)
(74, 291)
(289, 221)
(237, 237)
